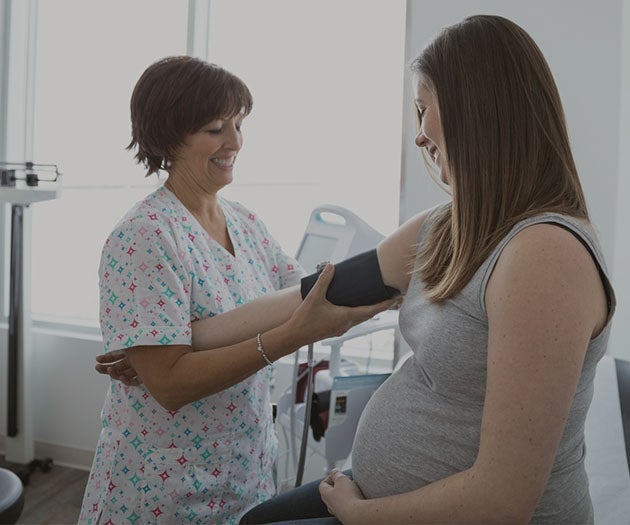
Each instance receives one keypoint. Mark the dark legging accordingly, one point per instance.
(302, 506)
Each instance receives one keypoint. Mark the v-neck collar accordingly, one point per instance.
(229, 223)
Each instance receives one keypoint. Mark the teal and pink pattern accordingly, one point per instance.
(213, 459)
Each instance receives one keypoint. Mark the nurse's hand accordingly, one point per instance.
(117, 366)
(341, 496)
(316, 318)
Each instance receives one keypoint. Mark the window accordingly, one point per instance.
(89, 56)
(327, 80)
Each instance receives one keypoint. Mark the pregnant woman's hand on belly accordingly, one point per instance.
(341, 496)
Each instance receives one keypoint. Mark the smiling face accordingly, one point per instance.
(430, 136)
(206, 160)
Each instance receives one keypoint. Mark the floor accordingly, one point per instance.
(53, 497)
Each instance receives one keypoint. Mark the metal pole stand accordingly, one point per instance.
(19, 449)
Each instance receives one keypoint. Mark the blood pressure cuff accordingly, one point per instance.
(357, 282)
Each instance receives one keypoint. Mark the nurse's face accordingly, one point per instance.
(209, 154)
(430, 136)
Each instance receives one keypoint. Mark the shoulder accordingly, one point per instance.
(239, 209)
(546, 267)
(409, 231)
(548, 244)
(246, 218)
(143, 223)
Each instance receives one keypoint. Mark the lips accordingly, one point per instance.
(434, 153)
(225, 162)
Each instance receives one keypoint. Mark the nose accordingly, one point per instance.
(421, 140)
(233, 138)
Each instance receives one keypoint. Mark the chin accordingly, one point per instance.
(225, 180)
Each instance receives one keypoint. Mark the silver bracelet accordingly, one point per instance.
(262, 350)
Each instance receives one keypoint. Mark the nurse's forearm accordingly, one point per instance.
(175, 376)
(246, 321)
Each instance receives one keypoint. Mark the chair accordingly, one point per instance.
(623, 383)
(607, 437)
(11, 497)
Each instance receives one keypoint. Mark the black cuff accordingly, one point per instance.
(357, 282)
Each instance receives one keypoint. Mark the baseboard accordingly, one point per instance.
(60, 454)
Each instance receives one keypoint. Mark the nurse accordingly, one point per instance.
(193, 442)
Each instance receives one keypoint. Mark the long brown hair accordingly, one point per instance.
(508, 155)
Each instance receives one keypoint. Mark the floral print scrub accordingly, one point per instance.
(213, 459)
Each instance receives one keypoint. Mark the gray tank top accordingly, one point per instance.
(423, 424)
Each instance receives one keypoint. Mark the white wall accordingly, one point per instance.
(620, 339)
(67, 395)
(582, 42)
(3, 60)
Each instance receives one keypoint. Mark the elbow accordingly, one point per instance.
(510, 511)
(500, 502)
(167, 384)
(169, 396)
(504, 513)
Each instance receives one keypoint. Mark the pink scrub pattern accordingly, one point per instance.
(213, 459)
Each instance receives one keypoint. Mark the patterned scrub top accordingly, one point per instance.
(213, 459)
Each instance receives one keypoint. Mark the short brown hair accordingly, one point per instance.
(508, 155)
(177, 96)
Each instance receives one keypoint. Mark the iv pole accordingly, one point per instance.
(15, 308)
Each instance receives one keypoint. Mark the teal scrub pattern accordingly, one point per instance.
(213, 459)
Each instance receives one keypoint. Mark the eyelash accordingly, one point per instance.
(421, 113)
(218, 131)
